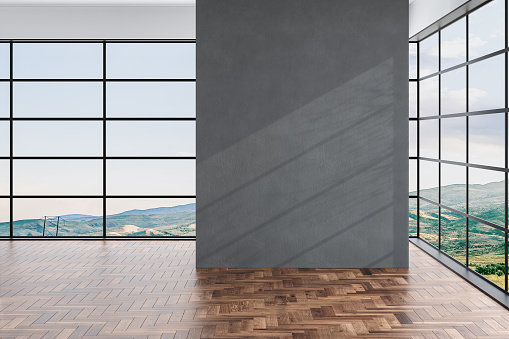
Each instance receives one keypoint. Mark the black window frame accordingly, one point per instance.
(464, 269)
(104, 119)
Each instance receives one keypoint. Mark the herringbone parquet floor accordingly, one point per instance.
(150, 289)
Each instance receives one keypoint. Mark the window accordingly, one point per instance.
(458, 203)
(97, 138)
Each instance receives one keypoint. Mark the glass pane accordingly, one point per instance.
(5, 140)
(151, 177)
(454, 141)
(151, 138)
(454, 235)
(454, 44)
(428, 177)
(412, 60)
(428, 99)
(5, 225)
(74, 217)
(486, 251)
(58, 100)
(151, 99)
(5, 61)
(487, 84)
(5, 177)
(5, 100)
(58, 61)
(412, 175)
(412, 217)
(454, 91)
(428, 222)
(486, 29)
(413, 138)
(58, 138)
(151, 217)
(429, 138)
(428, 55)
(412, 99)
(454, 186)
(58, 177)
(487, 139)
(151, 61)
(486, 195)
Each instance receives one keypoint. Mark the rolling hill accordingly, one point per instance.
(486, 244)
(161, 221)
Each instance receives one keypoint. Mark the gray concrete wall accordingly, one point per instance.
(302, 133)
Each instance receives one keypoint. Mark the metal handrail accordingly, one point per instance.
(49, 221)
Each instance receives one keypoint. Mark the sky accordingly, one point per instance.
(123, 61)
(412, 99)
(486, 91)
(84, 138)
(412, 61)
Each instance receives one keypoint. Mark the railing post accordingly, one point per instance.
(44, 228)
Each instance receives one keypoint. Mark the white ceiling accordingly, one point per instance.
(97, 2)
(103, 2)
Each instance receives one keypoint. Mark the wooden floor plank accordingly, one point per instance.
(151, 289)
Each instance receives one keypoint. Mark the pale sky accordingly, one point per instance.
(452, 174)
(487, 91)
(4, 61)
(486, 35)
(429, 138)
(123, 61)
(412, 102)
(412, 61)
(412, 125)
(4, 99)
(487, 28)
(428, 55)
(454, 144)
(454, 93)
(454, 44)
(84, 138)
(429, 176)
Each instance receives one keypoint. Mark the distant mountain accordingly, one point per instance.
(160, 221)
(159, 210)
(78, 217)
(480, 195)
(150, 211)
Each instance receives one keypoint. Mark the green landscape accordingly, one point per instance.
(486, 244)
(161, 221)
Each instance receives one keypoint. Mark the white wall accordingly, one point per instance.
(425, 12)
(98, 22)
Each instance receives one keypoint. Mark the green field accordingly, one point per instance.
(486, 244)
